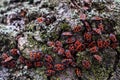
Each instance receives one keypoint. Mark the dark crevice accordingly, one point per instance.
(117, 58)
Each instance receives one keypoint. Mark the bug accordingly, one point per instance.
(12, 64)
(86, 64)
(98, 58)
(66, 62)
(59, 67)
(55, 49)
(61, 51)
(113, 37)
(77, 43)
(91, 44)
(98, 31)
(48, 58)
(68, 54)
(96, 18)
(71, 47)
(77, 29)
(67, 34)
(83, 16)
(114, 45)
(78, 72)
(94, 49)
(106, 43)
(58, 44)
(48, 65)
(70, 40)
(36, 55)
(80, 47)
(40, 19)
(22, 59)
(51, 43)
(100, 43)
(38, 63)
(4, 56)
(14, 52)
(73, 64)
(49, 72)
(87, 26)
(88, 36)
(28, 63)
(101, 27)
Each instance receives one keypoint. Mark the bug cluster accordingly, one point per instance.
(71, 42)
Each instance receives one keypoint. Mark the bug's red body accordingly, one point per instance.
(38, 64)
(49, 72)
(59, 67)
(86, 64)
(77, 29)
(48, 58)
(78, 72)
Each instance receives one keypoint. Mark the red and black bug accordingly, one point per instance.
(12, 64)
(14, 52)
(86, 64)
(49, 72)
(66, 62)
(28, 63)
(59, 67)
(71, 47)
(97, 31)
(48, 65)
(21, 59)
(55, 49)
(88, 28)
(67, 34)
(38, 63)
(100, 43)
(61, 51)
(77, 29)
(4, 56)
(78, 72)
(114, 45)
(96, 18)
(98, 58)
(80, 47)
(83, 16)
(88, 36)
(101, 27)
(68, 54)
(70, 40)
(91, 44)
(48, 58)
(50, 43)
(106, 43)
(36, 55)
(58, 44)
(94, 49)
(113, 37)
